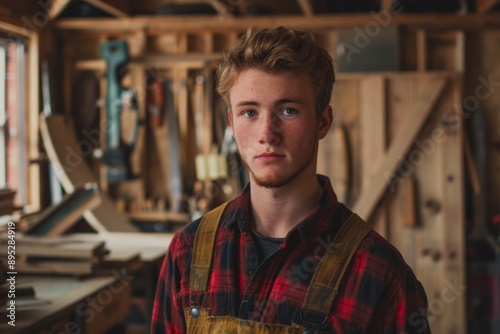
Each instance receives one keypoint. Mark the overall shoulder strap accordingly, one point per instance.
(328, 275)
(203, 248)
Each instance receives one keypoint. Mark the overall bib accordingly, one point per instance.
(321, 293)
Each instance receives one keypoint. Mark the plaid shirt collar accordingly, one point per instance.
(321, 214)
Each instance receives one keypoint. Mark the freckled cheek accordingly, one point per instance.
(297, 136)
(244, 142)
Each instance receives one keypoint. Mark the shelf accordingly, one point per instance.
(158, 216)
(166, 61)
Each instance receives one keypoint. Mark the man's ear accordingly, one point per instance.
(325, 121)
(230, 117)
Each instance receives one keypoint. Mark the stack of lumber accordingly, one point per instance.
(69, 255)
(58, 255)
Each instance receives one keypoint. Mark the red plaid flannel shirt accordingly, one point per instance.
(378, 294)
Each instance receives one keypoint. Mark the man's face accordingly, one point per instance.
(275, 125)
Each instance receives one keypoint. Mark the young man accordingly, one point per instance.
(284, 256)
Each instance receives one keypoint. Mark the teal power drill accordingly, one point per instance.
(116, 155)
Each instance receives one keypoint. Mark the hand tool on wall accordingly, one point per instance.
(117, 153)
(174, 147)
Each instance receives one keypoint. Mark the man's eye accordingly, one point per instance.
(249, 113)
(288, 111)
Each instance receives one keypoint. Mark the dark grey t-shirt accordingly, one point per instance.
(266, 245)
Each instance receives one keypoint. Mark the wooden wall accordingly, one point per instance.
(395, 153)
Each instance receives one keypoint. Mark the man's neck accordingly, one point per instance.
(277, 210)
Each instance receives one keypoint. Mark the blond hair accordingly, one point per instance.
(279, 50)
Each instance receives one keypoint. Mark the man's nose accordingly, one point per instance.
(270, 128)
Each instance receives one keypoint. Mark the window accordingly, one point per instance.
(3, 116)
(13, 158)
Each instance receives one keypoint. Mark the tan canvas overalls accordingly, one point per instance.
(320, 295)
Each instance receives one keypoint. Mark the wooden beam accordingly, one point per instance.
(485, 6)
(221, 8)
(421, 50)
(306, 7)
(453, 218)
(167, 61)
(15, 27)
(19, 8)
(386, 4)
(373, 116)
(57, 7)
(33, 110)
(401, 144)
(328, 21)
(118, 8)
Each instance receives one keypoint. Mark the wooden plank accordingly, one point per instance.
(56, 7)
(208, 38)
(484, 6)
(400, 95)
(428, 240)
(98, 65)
(194, 58)
(372, 120)
(489, 71)
(459, 55)
(14, 26)
(419, 113)
(327, 21)
(33, 110)
(208, 105)
(306, 7)
(333, 161)
(12, 104)
(445, 50)
(159, 216)
(453, 218)
(118, 8)
(19, 8)
(372, 126)
(60, 217)
(222, 9)
(67, 155)
(63, 301)
(346, 103)
(471, 166)
(421, 50)
(386, 4)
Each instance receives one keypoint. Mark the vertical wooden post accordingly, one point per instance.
(33, 109)
(421, 50)
(373, 143)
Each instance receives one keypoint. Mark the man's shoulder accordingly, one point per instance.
(376, 249)
(382, 254)
(185, 236)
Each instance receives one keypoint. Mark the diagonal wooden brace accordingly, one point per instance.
(366, 203)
